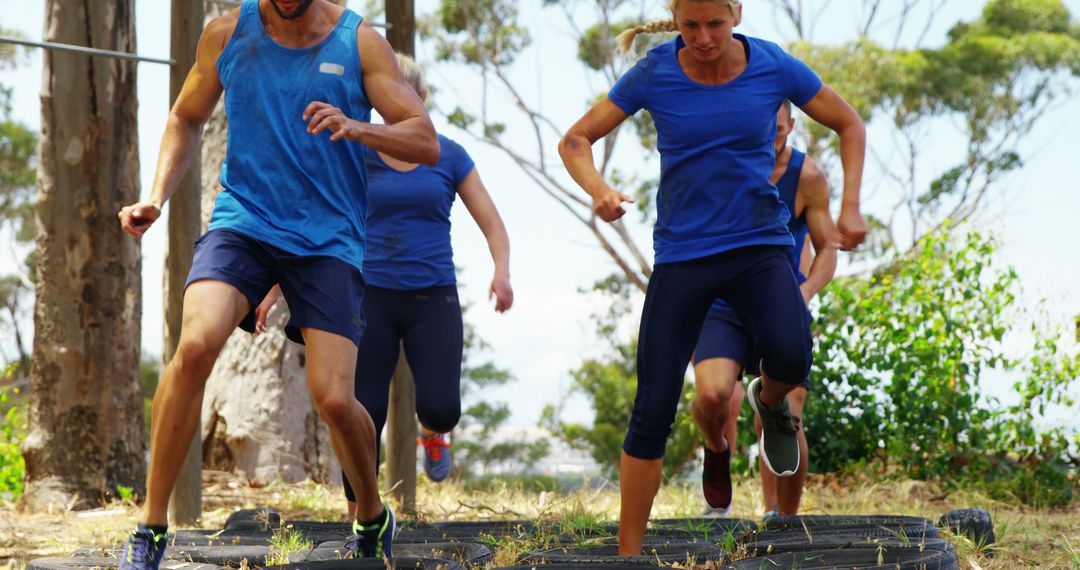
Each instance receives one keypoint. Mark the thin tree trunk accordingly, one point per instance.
(86, 412)
(185, 505)
(401, 415)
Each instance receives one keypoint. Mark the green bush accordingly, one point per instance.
(12, 432)
(898, 360)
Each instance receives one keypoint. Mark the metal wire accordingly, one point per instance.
(85, 50)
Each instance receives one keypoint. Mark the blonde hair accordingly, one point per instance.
(410, 70)
(626, 39)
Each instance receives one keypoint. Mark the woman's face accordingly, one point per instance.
(706, 28)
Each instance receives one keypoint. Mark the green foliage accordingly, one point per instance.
(897, 367)
(476, 31)
(13, 426)
(149, 373)
(610, 385)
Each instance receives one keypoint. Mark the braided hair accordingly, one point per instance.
(626, 38)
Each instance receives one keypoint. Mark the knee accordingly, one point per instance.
(788, 364)
(714, 399)
(440, 419)
(335, 408)
(194, 360)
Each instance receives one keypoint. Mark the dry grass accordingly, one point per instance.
(1026, 538)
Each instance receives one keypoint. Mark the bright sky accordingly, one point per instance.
(547, 332)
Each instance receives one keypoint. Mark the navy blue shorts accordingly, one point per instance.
(724, 336)
(323, 292)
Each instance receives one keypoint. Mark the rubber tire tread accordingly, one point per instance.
(974, 523)
(656, 552)
(855, 559)
(399, 562)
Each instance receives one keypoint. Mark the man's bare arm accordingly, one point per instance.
(183, 130)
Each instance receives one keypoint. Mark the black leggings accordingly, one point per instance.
(760, 286)
(429, 323)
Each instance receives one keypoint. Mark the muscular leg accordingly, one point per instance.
(783, 495)
(789, 489)
(715, 380)
(638, 485)
(212, 310)
(331, 367)
(735, 407)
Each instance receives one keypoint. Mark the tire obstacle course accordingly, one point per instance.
(248, 540)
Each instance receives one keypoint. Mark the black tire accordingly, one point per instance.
(659, 552)
(798, 542)
(465, 553)
(220, 538)
(230, 556)
(87, 563)
(708, 525)
(217, 556)
(820, 521)
(975, 524)
(263, 518)
(586, 566)
(399, 562)
(857, 559)
(469, 531)
(809, 534)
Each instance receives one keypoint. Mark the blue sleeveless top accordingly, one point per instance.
(788, 185)
(282, 186)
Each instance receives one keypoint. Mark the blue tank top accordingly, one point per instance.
(788, 185)
(409, 220)
(281, 185)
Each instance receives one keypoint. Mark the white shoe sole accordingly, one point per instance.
(758, 406)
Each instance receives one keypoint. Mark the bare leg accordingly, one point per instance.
(212, 310)
(639, 483)
(768, 480)
(715, 379)
(331, 367)
(789, 489)
(735, 403)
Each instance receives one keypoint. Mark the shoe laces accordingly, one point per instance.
(141, 547)
(783, 420)
(434, 446)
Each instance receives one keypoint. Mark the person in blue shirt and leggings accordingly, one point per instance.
(725, 347)
(300, 79)
(721, 229)
(411, 294)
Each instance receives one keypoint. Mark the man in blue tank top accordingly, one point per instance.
(300, 79)
(725, 347)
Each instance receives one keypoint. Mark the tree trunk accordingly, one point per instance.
(185, 505)
(258, 417)
(401, 416)
(86, 412)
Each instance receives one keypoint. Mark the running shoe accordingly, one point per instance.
(778, 445)
(436, 456)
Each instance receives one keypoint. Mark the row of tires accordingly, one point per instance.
(789, 542)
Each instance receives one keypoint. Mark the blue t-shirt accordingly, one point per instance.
(282, 186)
(788, 186)
(408, 220)
(716, 147)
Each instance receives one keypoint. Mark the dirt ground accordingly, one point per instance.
(1026, 538)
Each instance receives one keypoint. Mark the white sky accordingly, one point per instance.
(548, 332)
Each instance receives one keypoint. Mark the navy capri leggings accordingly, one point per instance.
(429, 323)
(760, 286)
